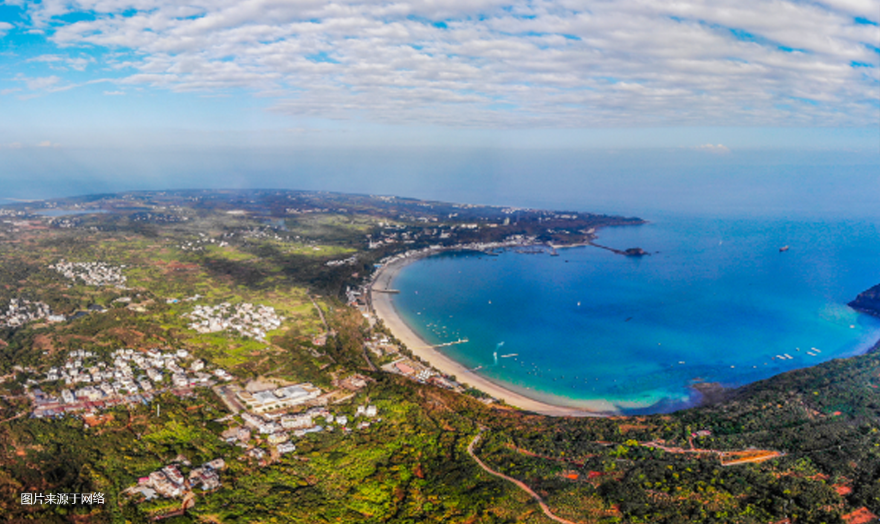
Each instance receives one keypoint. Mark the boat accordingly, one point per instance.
(783, 249)
(510, 355)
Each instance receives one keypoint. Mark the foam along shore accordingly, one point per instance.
(384, 308)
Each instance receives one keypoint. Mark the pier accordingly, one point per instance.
(631, 252)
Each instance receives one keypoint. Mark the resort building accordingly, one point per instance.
(281, 398)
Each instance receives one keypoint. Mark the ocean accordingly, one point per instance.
(717, 301)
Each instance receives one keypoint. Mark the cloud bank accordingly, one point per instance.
(490, 63)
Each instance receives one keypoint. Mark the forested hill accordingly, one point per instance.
(868, 302)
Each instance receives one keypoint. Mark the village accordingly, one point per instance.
(20, 311)
(247, 319)
(92, 273)
(133, 377)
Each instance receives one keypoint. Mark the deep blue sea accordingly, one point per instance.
(716, 301)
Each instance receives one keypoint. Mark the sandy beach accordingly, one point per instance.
(384, 307)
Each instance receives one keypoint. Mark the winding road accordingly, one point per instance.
(519, 484)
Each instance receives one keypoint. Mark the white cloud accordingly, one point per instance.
(38, 83)
(558, 63)
(717, 149)
(63, 62)
(114, 93)
(4, 28)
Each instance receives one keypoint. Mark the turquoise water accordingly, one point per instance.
(716, 302)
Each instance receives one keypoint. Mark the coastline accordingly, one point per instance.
(383, 306)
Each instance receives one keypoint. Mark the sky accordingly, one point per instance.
(88, 86)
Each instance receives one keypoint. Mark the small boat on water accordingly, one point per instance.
(783, 249)
(510, 355)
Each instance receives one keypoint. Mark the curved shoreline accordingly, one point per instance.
(383, 307)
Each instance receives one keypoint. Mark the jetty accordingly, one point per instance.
(631, 252)
(454, 342)
(389, 291)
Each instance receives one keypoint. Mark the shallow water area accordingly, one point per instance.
(716, 301)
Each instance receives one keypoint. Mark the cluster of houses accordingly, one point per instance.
(278, 428)
(248, 319)
(170, 482)
(510, 241)
(200, 243)
(420, 373)
(92, 273)
(20, 311)
(350, 261)
(131, 377)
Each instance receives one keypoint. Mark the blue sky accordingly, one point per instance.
(701, 77)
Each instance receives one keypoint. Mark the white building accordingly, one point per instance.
(287, 447)
(280, 398)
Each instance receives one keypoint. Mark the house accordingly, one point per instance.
(304, 432)
(277, 438)
(287, 447)
(173, 474)
(299, 421)
(217, 464)
(67, 396)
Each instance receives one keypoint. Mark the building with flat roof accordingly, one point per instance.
(281, 398)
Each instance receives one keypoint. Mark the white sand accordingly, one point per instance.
(384, 307)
